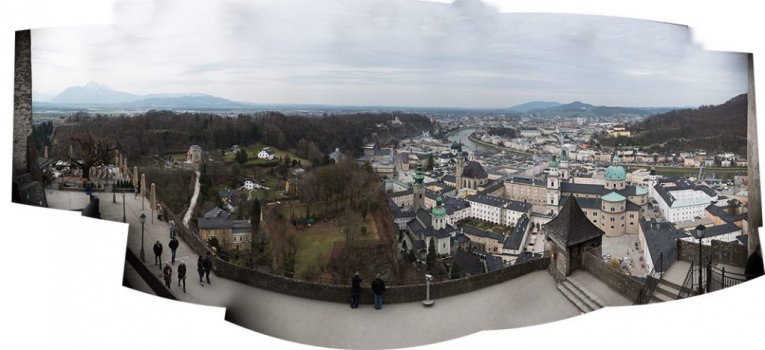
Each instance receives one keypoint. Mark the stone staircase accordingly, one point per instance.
(665, 291)
(581, 297)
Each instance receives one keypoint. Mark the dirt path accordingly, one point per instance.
(193, 203)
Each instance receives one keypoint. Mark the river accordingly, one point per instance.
(463, 135)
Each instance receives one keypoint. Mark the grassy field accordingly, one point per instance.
(488, 226)
(314, 244)
(252, 155)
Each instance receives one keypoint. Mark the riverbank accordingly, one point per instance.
(499, 148)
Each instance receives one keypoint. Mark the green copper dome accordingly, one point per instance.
(616, 173)
(438, 211)
(564, 157)
(553, 163)
(614, 197)
(418, 177)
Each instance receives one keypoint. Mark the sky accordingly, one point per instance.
(385, 53)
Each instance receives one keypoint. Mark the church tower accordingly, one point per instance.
(553, 184)
(438, 215)
(418, 189)
(458, 170)
(564, 172)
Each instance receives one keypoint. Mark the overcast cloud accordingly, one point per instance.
(400, 52)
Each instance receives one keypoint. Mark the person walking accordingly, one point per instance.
(355, 290)
(207, 265)
(200, 269)
(173, 247)
(135, 192)
(157, 253)
(167, 273)
(378, 287)
(182, 275)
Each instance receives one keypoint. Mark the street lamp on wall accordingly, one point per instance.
(143, 220)
(700, 236)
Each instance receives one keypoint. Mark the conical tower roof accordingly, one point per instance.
(571, 226)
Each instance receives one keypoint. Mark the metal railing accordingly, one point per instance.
(687, 288)
(718, 278)
(653, 278)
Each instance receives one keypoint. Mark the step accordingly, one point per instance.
(578, 299)
(660, 298)
(599, 303)
(671, 284)
(573, 299)
(591, 304)
(666, 290)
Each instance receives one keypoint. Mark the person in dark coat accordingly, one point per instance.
(207, 265)
(173, 247)
(157, 253)
(355, 290)
(182, 275)
(201, 269)
(167, 273)
(754, 267)
(378, 287)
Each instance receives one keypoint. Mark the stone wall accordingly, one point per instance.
(394, 294)
(729, 253)
(627, 286)
(156, 285)
(22, 101)
(341, 293)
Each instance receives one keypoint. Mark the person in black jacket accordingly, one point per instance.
(207, 265)
(167, 275)
(378, 287)
(201, 269)
(355, 290)
(754, 266)
(173, 247)
(157, 253)
(182, 275)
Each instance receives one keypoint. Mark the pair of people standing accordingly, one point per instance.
(158, 251)
(167, 274)
(378, 288)
(204, 266)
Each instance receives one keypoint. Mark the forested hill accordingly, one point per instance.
(164, 132)
(728, 118)
(714, 128)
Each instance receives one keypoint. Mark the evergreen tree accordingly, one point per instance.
(241, 156)
(431, 258)
(431, 162)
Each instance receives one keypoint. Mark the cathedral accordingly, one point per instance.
(614, 207)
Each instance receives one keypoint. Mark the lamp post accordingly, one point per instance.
(428, 301)
(700, 235)
(124, 219)
(143, 220)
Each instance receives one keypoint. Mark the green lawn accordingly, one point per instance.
(314, 245)
(487, 226)
(252, 154)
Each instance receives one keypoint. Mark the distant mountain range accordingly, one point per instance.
(581, 109)
(97, 95)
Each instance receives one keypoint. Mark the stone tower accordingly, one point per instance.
(418, 189)
(460, 167)
(26, 175)
(438, 215)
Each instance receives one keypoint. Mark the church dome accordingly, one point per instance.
(616, 173)
(553, 163)
(438, 211)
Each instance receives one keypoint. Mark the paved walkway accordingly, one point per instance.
(528, 300)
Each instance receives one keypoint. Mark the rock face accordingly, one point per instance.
(22, 101)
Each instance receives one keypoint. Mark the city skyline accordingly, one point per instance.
(464, 54)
